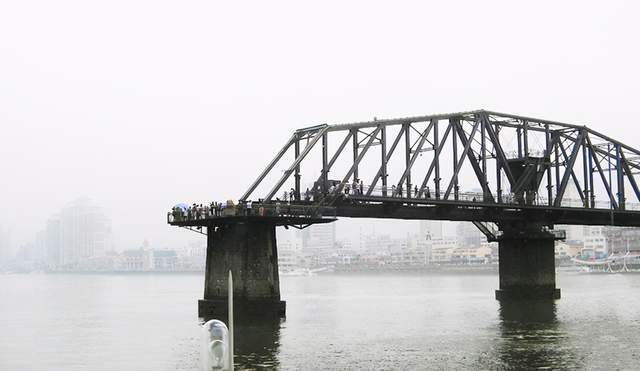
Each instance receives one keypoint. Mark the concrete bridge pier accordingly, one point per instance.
(247, 248)
(527, 263)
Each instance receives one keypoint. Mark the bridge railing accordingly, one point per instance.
(506, 198)
(321, 205)
(277, 209)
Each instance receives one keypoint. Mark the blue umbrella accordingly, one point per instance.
(182, 206)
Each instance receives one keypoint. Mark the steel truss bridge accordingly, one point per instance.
(479, 166)
(514, 177)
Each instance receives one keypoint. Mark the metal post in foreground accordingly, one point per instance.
(230, 321)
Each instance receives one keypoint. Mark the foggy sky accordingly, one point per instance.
(141, 104)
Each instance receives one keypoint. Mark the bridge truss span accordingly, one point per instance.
(500, 163)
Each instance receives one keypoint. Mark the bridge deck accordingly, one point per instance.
(303, 213)
(462, 210)
(278, 220)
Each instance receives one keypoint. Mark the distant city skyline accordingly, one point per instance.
(346, 229)
(82, 229)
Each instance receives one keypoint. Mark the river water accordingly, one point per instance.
(373, 322)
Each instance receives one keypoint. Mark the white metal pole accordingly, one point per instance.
(230, 315)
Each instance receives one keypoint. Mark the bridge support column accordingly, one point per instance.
(249, 250)
(526, 263)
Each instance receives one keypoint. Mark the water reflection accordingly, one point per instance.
(257, 342)
(532, 337)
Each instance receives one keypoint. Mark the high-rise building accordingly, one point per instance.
(52, 242)
(85, 232)
(5, 248)
(319, 237)
(469, 235)
(318, 243)
(40, 247)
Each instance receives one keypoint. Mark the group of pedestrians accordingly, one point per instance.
(196, 212)
(398, 192)
(355, 188)
(216, 209)
(288, 196)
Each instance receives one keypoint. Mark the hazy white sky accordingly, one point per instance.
(141, 104)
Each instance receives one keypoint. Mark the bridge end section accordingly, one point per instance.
(527, 263)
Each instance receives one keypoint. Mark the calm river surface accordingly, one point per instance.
(373, 322)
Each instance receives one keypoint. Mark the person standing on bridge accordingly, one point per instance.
(361, 189)
(174, 213)
(415, 191)
(393, 190)
(292, 195)
(241, 208)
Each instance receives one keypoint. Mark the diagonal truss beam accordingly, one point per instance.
(268, 168)
(335, 156)
(602, 177)
(495, 141)
(630, 176)
(383, 165)
(297, 162)
(358, 159)
(473, 160)
(576, 182)
(435, 161)
(416, 152)
(544, 166)
(568, 169)
(456, 171)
